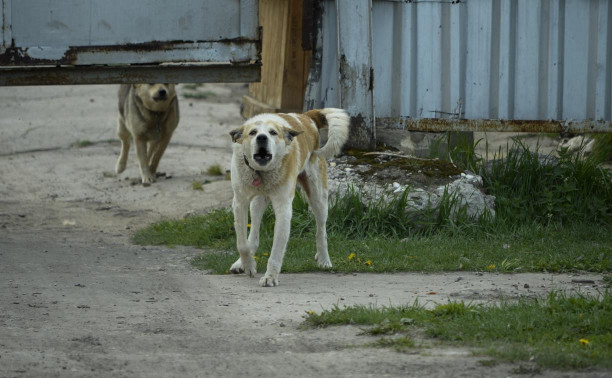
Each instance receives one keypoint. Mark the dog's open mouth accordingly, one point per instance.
(262, 157)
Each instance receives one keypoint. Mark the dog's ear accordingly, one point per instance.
(236, 134)
(290, 134)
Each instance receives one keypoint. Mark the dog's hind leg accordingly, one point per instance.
(282, 227)
(317, 194)
(158, 149)
(124, 136)
(246, 263)
(258, 207)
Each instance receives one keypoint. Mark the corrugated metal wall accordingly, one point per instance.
(479, 59)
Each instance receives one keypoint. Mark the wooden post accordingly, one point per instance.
(284, 63)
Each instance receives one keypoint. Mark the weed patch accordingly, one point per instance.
(556, 332)
(215, 170)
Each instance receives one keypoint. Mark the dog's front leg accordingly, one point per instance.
(124, 136)
(258, 207)
(141, 152)
(282, 227)
(241, 213)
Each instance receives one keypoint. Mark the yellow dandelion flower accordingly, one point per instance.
(310, 312)
(255, 257)
(351, 256)
(368, 263)
(584, 341)
(491, 267)
(249, 225)
(266, 254)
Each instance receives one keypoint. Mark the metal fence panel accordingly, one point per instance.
(118, 32)
(482, 60)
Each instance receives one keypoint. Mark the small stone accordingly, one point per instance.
(282, 325)
(506, 246)
(396, 185)
(526, 286)
(458, 279)
(407, 321)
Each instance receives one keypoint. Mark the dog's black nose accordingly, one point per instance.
(162, 93)
(261, 138)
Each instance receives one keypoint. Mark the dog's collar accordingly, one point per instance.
(257, 180)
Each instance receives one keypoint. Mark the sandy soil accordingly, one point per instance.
(78, 299)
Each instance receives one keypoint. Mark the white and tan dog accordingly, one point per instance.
(271, 154)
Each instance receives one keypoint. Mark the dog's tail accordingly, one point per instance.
(337, 121)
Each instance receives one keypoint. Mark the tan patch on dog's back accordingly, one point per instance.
(307, 141)
(318, 118)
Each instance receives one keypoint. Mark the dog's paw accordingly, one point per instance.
(268, 280)
(120, 167)
(323, 262)
(148, 179)
(236, 267)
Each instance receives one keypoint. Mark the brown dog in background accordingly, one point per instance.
(148, 114)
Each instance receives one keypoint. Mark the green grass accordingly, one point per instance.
(531, 247)
(551, 217)
(192, 86)
(602, 149)
(570, 190)
(548, 331)
(83, 143)
(215, 170)
(197, 185)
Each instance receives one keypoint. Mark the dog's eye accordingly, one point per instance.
(253, 132)
(272, 132)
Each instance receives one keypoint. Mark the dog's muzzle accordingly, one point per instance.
(161, 95)
(262, 156)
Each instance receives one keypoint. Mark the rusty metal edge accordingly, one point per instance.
(64, 75)
(18, 56)
(494, 125)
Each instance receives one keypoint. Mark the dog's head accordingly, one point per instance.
(264, 142)
(155, 97)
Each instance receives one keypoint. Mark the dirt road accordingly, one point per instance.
(78, 299)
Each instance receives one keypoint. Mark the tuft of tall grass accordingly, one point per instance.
(529, 187)
(602, 149)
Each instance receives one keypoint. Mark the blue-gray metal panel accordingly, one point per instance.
(483, 59)
(5, 25)
(72, 32)
(108, 22)
(330, 92)
(355, 67)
